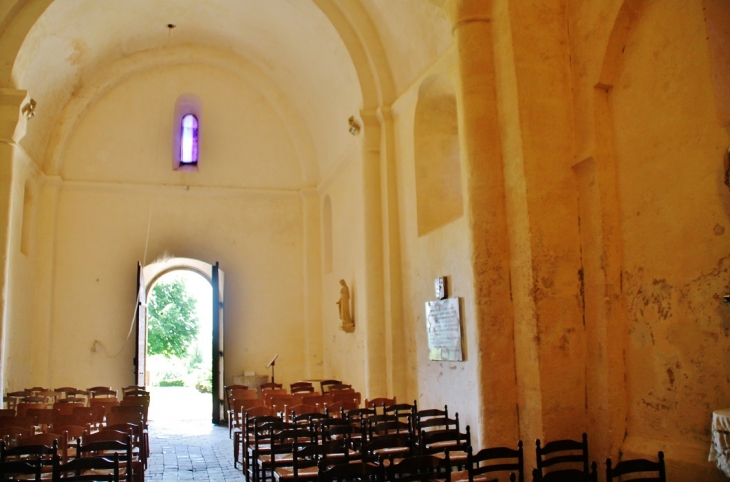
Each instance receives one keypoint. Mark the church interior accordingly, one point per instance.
(561, 164)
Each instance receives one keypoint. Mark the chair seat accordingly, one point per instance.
(457, 455)
(266, 458)
(287, 473)
(463, 476)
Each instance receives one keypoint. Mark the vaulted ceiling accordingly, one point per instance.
(324, 59)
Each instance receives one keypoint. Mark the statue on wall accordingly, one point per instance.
(348, 324)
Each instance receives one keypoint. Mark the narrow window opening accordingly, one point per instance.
(189, 140)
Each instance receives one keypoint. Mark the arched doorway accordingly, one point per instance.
(187, 354)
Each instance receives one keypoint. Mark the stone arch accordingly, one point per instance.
(437, 155)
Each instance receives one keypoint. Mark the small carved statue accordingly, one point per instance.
(348, 324)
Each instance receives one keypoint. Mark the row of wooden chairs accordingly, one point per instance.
(362, 431)
(49, 453)
(63, 395)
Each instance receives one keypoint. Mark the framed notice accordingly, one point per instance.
(443, 323)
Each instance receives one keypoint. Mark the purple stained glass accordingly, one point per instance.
(189, 140)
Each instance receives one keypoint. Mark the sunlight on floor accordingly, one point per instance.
(180, 411)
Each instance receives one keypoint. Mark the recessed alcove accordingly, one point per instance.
(437, 155)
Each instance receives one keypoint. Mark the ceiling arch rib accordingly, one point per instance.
(365, 48)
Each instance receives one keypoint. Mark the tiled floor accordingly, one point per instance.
(184, 445)
(190, 450)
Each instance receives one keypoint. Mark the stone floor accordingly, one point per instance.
(184, 445)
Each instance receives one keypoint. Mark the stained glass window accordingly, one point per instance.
(189, 140)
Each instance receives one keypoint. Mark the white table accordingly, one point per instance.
(720, 447)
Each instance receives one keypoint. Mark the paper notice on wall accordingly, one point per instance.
(443, 323)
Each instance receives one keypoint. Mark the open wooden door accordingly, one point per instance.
(140, 352)
(218, 365)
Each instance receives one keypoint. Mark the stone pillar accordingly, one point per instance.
(485, 208)
(395, 352)
(12, 129)
(371, 293)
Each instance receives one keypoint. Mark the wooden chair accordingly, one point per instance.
(7, 412)
(450, 444)
(302, 409)
(301, 387)
(228, 390)
(135, 391)
(106, 403)
(11, 434)
(281, 451)
(352, 472)
(380, 403)
(23, 407)
(19, 470)
(107, 443)
(261, 453)
(116, 421)
(70, 435)
(244, 438)
(267, 395)
(341, 388)
(338, 409)
(102, 392)
(320, 401)
(244, 432)
(271, 386)
(41, 449)
(279, 403)
(565, 460)
(45, 417)
(489, 462)
(25, 422)
(87, 469)
(92, 416)
(66, 406)
(638, 470)
(421, 468)
(399, 445)
(353, 397)
(324, 385)
(235, 417)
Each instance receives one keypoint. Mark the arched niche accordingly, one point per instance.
(437, 155)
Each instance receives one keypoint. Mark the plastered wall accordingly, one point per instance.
(120, 202)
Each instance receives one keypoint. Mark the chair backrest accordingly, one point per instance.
(399, 443)
(270, 386)
(301, 387)
(437, 423)
(25, 422)
(354, 397)
(267, 395)
(440, 441)
(419, 468)
(23, 407)
(496, 461)
(342, 387)
(103, 468)
(105, 403)
(352, 472)
(379, 404)
(637, 469)
(563, 455)
(9, 471)
(102, 392)
(339, 409)
(66, 407)
(325, 385)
